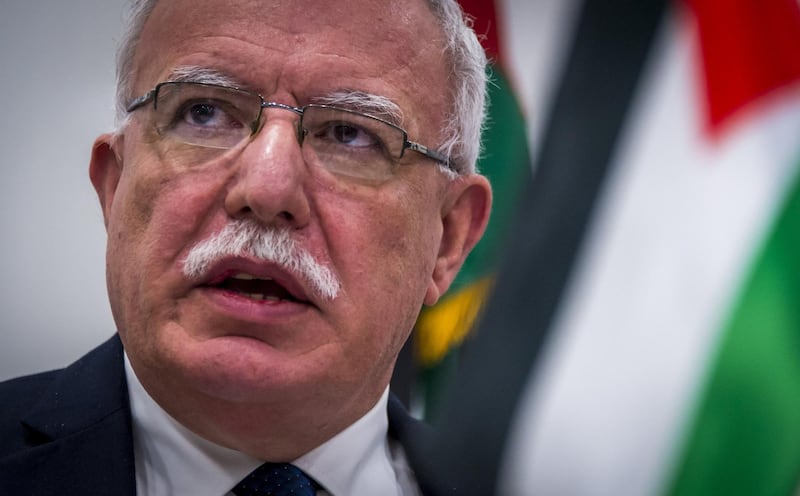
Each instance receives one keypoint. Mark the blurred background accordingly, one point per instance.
(57, 86)
(636, 295)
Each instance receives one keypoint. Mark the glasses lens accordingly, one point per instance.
(205, 115)
(351, 143)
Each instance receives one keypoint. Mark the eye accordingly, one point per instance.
(348, 134)
(201, 113)
(207, 115)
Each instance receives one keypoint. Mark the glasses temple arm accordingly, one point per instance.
(442, 159)
(142, 100)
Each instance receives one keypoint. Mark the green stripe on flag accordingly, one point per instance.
(746, 437)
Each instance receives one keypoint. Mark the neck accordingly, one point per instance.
(280, 428)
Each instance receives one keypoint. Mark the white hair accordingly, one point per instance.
(461, 135)
(375, 105)
(248, 238)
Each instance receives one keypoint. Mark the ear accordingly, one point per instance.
(105, 169)
(465, 215)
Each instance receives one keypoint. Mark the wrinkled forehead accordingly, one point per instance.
(389, 19)
(293, 45)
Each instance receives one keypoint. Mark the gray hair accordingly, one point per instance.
(461, 136)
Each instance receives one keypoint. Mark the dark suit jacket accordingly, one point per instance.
(68, 432)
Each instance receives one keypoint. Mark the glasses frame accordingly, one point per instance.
(152, 95)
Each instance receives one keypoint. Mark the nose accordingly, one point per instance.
(271, 178)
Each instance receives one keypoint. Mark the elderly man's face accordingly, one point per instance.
(393, 245)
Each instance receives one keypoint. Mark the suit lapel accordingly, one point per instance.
(79, 431)
(411, 434)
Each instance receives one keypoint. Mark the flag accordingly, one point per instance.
(644, 335)
(683, 310)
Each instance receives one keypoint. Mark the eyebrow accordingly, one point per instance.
(367, 103)
(197, 74)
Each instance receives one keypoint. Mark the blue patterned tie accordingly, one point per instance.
(276, 479)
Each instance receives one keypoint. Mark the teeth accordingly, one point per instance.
(260, 297)
(245, 277)
(242, 288)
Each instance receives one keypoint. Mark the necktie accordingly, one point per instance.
(276, 479)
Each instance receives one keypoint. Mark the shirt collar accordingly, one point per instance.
(358, 459)
(170, 459)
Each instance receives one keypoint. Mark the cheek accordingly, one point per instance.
(154, 219)
(406, 249)
(160, 210)
(385, 249)
(133, 227)
(400, 269)
(408, 234)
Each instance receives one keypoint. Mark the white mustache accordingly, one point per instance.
(247, 238)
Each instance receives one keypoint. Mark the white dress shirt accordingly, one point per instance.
(172, 460)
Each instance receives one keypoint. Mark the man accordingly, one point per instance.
(289, 183)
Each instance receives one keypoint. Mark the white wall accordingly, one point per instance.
(56, 95)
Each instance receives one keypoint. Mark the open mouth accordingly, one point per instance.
(255, 288)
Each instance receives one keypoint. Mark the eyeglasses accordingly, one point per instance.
(212, 119)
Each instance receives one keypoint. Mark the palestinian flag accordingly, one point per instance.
(505, 161)
(644, 336)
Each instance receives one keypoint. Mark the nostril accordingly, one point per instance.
(286, 215)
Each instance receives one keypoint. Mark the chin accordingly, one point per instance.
(245, 370)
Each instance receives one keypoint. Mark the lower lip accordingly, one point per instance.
(243, 308)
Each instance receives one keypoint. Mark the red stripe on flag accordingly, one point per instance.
(485, 17)
(749, 48)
